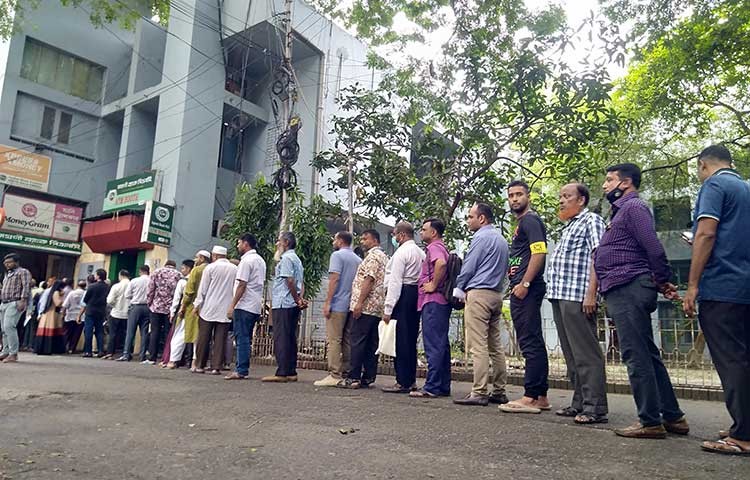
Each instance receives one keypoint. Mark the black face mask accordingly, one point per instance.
(615, 194)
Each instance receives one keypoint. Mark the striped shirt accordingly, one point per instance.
(569, 268)
(630, 247)
(16, 285)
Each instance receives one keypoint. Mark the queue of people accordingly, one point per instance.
(190, 311)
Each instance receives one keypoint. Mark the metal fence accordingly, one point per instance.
(682, 347)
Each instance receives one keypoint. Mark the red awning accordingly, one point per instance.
(121, 232)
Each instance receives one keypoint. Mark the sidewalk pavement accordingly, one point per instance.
(74, 418)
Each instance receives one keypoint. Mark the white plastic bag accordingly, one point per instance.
(387, 341)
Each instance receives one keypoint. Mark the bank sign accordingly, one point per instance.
(130, 192)
(157, 224)
(20, 168)
(41, 225)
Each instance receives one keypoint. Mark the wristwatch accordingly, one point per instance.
(526, 284)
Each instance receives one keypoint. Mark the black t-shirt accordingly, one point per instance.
(95, 299)
(530, 237)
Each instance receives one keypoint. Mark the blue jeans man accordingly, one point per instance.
(435, 324)
(93, 325)
(243, 325)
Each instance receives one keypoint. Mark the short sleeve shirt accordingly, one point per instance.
(344, 262)
(372, 266)
(725, 197)
(530, 237)
(289, 266)
(435, 251)
(252, 271)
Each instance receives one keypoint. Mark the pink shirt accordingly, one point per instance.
(435, 250)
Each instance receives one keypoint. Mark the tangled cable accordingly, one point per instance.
(287, 147)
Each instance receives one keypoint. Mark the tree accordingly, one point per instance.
(257, 208)
(101, 12)
(504, 103)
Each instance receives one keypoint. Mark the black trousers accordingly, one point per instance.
(117, 328)
(158, 331)
(527, 321)
(407, 332)
(726, 327)
(285, 340)
(364, 343)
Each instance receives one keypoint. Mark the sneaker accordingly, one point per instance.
(679, 427)
(148, 362)
(639, 431)
(123, 358)
(472, 399)
(329, 381)
(87, 355)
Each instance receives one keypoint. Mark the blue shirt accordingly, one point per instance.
(725, 197)
(486, 262)
(344, 262)
(289, 266)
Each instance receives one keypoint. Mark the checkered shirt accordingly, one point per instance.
(570, 266)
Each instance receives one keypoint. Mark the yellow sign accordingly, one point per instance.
(21, 168)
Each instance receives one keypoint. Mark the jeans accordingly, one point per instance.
(435, 323)
(8, 321)
(527, 321)
(244, 322)
(138, 317)
(630, 307)
(364, 343)
(93, 325)
(727, 330)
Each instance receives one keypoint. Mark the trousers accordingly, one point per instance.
(482, 319)
(437, 349)
(527, 321)
(285, 340)
(407, 332)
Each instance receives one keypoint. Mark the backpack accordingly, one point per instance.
(453, 268)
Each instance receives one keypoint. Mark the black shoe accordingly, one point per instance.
(567, 412)
(472, 399)
(349, 384)
(500, 398)
(396, 388)
(87, 355)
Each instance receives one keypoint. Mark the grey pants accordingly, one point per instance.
(583, 356)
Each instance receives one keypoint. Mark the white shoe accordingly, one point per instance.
(329, 381)
(148, 362)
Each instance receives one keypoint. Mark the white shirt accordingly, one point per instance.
(117, 299)
(252, 270)
(137, 290)
(215, 291)
(71, 304)
(402, 269)
(177, 298)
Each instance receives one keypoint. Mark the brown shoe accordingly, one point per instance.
(679, 427)
(639, 431)
(275, 379)
(11, 359)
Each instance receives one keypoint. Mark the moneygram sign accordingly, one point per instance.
(131, 192)
(40, 225)
(19, 168)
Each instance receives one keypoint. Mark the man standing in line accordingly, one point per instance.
(159, 295)
(436, 312)
(572, 291)
(481, 284)
(341, 271)
(118, 316)
(247, 303)
(211, 306)
(187, 313)
(93, 312)
(286, 304)
(138, 315)
(632, 268)
(528, 252)
(176, 336)
(401, 277)
(72, 308)
(720, 281)
(15, 295)
(368, 299)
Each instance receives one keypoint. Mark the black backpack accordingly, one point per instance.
(453, 268)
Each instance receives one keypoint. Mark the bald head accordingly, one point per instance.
(574, 197)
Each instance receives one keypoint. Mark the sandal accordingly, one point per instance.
(725, 447)
(422, 394)
(567, 412)
(214, 372)
(235, 376)
(516, 407)
(197, 370)
(590, 419)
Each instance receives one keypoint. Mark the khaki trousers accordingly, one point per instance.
(482, 317)
(338, 333)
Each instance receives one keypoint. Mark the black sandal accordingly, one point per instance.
(590, 419)
(567, 412)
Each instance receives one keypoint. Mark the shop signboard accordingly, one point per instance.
(21, 168)
(41, 225)
(157, 224)
(130, 192)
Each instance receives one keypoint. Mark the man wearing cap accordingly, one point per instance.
(186, 313)
(211, 305)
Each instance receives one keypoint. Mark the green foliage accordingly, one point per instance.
(257, 209)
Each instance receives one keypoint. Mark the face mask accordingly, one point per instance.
(615, 193)
(394, 242)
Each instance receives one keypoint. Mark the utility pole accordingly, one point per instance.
(286, 107)
(351, 195)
